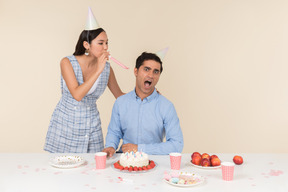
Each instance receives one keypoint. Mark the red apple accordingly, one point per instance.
(205, 162)
(238, 160)
(205, 155)
(196, 160)
(195, 154)
(213, 156)
(215, 161)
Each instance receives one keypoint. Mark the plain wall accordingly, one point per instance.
(225, 71)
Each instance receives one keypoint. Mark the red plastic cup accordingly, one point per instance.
(100, 159)
(227, 171)
(175, 160)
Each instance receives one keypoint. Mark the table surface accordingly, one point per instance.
(23, 172)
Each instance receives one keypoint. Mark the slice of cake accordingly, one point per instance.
(138, 159)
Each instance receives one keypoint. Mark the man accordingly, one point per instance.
(143, 117)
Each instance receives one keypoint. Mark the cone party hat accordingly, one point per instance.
(91, 22)
(161, 54)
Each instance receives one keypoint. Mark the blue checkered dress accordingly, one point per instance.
(75, 126)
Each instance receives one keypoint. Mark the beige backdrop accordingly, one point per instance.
(225, 72)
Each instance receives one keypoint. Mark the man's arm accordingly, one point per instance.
(129, 147)
(110, 151)
(174, 138)
(114, 133)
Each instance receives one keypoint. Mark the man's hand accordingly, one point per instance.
(129, 147)
(110, 151)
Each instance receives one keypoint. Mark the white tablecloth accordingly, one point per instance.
(23, 172)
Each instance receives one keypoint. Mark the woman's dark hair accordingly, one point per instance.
(148, 56)
(86, 36)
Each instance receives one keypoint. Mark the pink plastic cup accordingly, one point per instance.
(100, 159)
(227, 171)
(175, 160)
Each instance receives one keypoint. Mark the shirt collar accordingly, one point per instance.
(149, 98)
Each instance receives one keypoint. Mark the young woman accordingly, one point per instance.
(75, 126)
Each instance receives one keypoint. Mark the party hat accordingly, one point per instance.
(91, 22)
(161, 54)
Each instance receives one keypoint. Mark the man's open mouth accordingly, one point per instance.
(147, 83)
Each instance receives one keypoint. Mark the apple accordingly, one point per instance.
(195, 154)
(205, 155)
(215, 161)
(238, 160)
(196, 160)
(205, 162)
(213, 156)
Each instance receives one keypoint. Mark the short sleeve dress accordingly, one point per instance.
(75, 126)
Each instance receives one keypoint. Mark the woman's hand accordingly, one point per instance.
(101, 61)
(158, 91)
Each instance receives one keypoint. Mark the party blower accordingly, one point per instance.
(117, 62)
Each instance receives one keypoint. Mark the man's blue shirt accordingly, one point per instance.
(145, 123)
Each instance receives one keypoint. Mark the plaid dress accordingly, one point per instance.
(75, 126)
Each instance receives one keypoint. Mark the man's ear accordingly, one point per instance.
(86, 45)
(135, 71)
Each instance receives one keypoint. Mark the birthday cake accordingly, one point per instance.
(138, 159)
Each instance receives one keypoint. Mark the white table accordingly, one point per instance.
(32, 173)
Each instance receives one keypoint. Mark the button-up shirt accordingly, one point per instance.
(145, 123)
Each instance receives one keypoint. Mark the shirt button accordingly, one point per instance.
(86, 136)
(88, 108)
(75, 108)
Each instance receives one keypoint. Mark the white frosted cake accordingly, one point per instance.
(138, 159)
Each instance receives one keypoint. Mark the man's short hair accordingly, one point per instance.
(148, 56)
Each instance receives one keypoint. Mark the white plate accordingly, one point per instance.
(196, 176)
(66, 161)
(201, 167)
(126, 171)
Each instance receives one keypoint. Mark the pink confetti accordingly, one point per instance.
(275, 173)
(253, 185)
(251, 178)
(19, 167)
(37, 169)
(57, 173)
(87, 185)
(136, 188)
(23, 172)
(154, 184)
(271, 163)
(26, 166)
(143, 185)
(84, 173)
(43, 169)
(93, 188)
